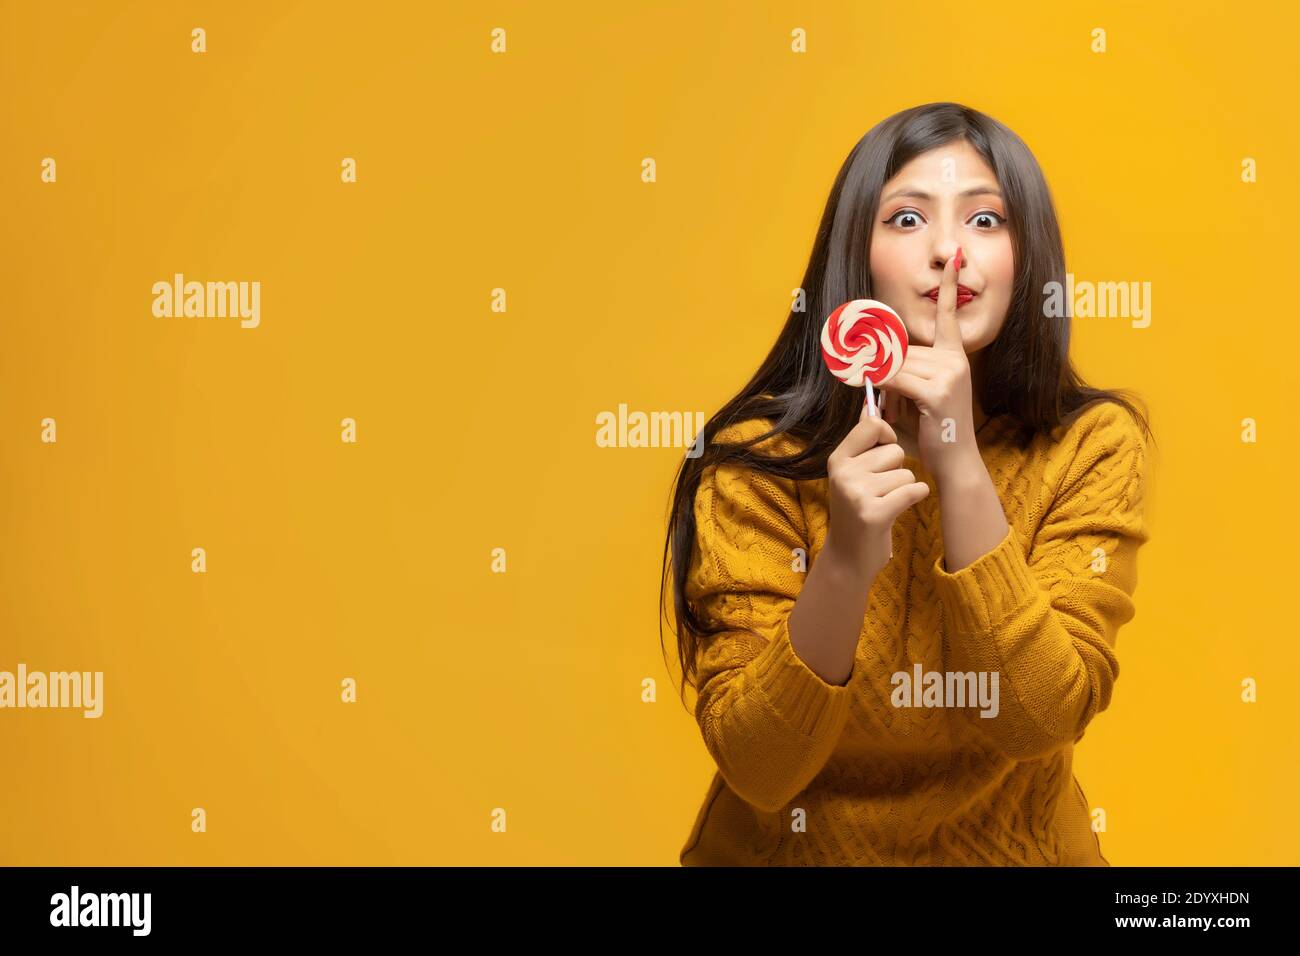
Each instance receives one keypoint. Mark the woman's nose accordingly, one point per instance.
(942, 255)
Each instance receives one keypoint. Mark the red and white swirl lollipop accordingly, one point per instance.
(864, 342)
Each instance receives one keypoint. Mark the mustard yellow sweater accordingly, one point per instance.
(811, 773)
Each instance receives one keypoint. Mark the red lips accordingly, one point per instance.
(961, 291)
(964, 296)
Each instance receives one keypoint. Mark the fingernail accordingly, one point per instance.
(957, 260)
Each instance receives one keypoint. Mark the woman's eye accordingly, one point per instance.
(996, 219)
(902, 212)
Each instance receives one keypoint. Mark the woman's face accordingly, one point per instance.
(914, 235)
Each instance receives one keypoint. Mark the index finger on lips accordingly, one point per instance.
(947, 333)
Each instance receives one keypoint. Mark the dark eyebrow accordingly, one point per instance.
(918, 194)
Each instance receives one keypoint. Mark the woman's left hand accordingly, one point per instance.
(938, 381)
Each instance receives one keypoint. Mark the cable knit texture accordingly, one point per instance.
(811, 773)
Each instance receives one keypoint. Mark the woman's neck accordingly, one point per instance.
(976, 379)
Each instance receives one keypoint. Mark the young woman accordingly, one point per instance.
(898, 626)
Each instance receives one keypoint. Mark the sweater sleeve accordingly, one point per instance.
(769, 721)
(1045, 618)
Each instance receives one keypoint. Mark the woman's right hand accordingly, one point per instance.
(869, 489)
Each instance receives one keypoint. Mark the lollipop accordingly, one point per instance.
(864, 343)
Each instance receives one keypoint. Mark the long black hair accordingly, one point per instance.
(1026, 371)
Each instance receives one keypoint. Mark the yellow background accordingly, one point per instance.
(477, 429)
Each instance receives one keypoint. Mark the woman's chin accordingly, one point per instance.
(929, 327)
